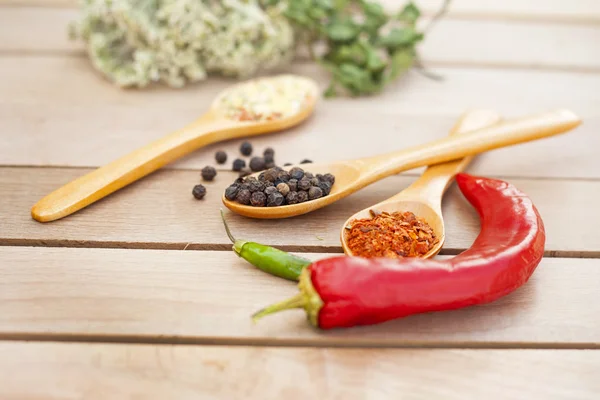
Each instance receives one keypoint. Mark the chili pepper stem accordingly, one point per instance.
(308, 298)
(237, 244)
(298, 301)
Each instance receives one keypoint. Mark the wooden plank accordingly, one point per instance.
(31, 29)
(577, 11)
(27, 30)
(47, 119)
(574, 11)
(75, 370)
(208, 297)
(160, 212)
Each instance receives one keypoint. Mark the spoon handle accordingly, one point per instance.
(105, 180)
(432, 184)
(453, 147)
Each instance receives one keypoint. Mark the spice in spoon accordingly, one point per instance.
(395, 235)
(280, 187)
(267, 99)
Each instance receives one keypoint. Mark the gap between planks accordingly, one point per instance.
(407, 174)
(96, 244)
(287, 343)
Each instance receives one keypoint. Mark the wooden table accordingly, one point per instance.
(139, 296)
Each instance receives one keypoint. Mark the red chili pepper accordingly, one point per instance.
(348, 291)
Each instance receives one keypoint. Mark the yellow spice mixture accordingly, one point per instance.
(267, 99)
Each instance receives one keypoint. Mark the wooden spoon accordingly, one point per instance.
(424, 197)
(353, 175)
(214, 126)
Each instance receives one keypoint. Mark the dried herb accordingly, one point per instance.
(365, 47)
(395, 235)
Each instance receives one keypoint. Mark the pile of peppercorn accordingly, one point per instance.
(278, 187)
(255, 164)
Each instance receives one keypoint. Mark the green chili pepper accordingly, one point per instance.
(268, 259)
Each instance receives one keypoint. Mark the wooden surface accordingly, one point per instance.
(124, 294)
(140, 295)
(128, 371)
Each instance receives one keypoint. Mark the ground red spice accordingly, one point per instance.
(395, 235)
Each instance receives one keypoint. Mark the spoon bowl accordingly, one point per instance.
(346, 174)
(216, 125)
(424, 197)
(353, 175)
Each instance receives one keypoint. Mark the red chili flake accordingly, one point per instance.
(400, 234)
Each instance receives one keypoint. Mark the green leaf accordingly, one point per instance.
(374, 10)
(317, 13)
(409, 14)
(401, 61)
(324, 4)
(400, 37)
(357, 80)
(374, 62)
(342, 31)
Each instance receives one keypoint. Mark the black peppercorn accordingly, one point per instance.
(199, 191)
(271, 174)
(257, 164)
(283, 188)
(275, 199)
(267, 184)
(314, 193)
(243, 197)
(302, 196)
(238, 164)
(254, 185)
(232, 191)
(296, 173)
(283, 176)
(208, 173)
(314, 181)
(258, 199)
(305, 161)
(221, 157)
(292, 198)
(293, 184)
(304, 184)
(269, 152)
(246, 148)
(308, 175)
(329, 178)
(287, 164)
(325, 187)
(269, 164)
(270, 190)
(269, 157)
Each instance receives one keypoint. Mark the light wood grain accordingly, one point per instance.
(587, 11)
(208, 297)
(31, 29)
(46, 119)
(62, 371)
(160, 212)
